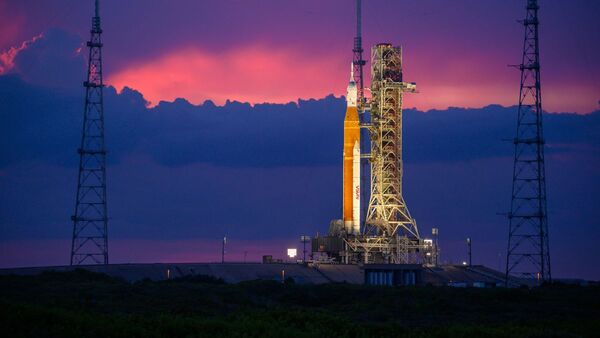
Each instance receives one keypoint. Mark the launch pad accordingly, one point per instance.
(389, 234)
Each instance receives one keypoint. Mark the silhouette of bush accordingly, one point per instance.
(82, 304)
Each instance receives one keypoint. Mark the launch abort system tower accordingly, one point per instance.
(90, 242)
(528, 254)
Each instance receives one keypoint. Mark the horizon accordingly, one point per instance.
(325, 96)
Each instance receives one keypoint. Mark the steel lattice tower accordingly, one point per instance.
(90, 241)
(387, 214)
(528, 253)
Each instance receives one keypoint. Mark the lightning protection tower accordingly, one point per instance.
(90, 242)
(528, 254)
(357, 60)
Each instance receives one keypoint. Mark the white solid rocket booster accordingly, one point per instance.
(356, 185)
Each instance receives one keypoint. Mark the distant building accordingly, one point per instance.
(393, 274)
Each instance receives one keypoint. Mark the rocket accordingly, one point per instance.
(351, 176)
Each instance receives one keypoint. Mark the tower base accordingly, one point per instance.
(360, 249)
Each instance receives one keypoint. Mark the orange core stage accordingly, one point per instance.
(351, 178)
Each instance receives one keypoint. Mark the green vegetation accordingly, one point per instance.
(85, 304)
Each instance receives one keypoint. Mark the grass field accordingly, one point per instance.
(85, 304)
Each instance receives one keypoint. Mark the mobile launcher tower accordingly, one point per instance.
(389, 234)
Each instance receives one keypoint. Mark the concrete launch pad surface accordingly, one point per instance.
(445, 275)
(229, 272)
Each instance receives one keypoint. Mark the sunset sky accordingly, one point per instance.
(279, 51)
(183, 172)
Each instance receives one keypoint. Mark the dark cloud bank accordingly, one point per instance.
(274, 171)
(44, 124)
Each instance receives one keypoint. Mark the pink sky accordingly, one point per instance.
(253, 74)
(49, 252)
(275, 51)
(261, 74)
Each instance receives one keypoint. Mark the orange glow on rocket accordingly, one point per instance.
(351, 186)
